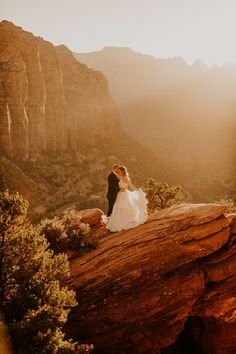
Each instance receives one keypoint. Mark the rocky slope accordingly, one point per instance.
(60, 131)
(185, 114)
(157, 287)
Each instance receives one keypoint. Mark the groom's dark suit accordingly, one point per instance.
(113, 189)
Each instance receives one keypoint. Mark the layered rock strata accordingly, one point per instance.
(48, 100)
(138, 288)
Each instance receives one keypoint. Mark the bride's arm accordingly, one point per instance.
(127, 180)
(122, 189)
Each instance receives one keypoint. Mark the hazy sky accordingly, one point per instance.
(193, 29)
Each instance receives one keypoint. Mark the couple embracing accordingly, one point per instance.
(126, 208)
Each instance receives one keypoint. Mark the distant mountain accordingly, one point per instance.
(185, 113)
(60, 130)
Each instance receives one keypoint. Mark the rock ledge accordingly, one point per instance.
(144, 283)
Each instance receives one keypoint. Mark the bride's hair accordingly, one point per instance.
(124, 171)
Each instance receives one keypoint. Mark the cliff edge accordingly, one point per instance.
(137, 290)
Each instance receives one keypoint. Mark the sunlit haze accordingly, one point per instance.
(192, 29)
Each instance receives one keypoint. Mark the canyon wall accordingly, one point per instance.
(49, 102)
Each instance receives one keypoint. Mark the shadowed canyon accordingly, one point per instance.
(186, 114)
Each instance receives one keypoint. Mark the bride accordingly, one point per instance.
(130, 208)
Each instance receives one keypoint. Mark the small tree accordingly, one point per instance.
(67, 233)
(33, 301)
(229, 203)
(160, 195)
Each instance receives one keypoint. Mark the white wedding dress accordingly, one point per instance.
(129, 210)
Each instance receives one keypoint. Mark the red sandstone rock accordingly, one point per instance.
(214, 336)
(48, 99)
(139, 286)
(91, 216)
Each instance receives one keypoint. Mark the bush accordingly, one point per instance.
(160, 195)
(229, 203)
(33, 301)
(67, 233)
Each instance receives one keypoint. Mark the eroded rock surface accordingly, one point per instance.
(48, 100)
(137, 289)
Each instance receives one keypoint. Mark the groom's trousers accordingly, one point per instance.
(111, 202)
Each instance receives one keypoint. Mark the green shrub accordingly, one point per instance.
(229, 203)
(33, 301)
(67, 233)
(160, 195)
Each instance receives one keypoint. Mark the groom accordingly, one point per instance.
(113, 188)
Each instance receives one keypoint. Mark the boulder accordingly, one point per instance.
(91, 216)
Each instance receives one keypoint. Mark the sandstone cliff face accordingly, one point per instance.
(48, 99)
(138, 288)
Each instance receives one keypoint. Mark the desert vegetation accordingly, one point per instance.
(161, 195)
(228, 203)
(33, 300)
(67, 233)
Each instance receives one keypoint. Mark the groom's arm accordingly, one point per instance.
(114, 182)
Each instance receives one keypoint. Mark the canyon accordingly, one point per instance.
(167, 286)
(185, 113)
(60, 130)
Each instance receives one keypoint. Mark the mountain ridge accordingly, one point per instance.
(185, 114)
